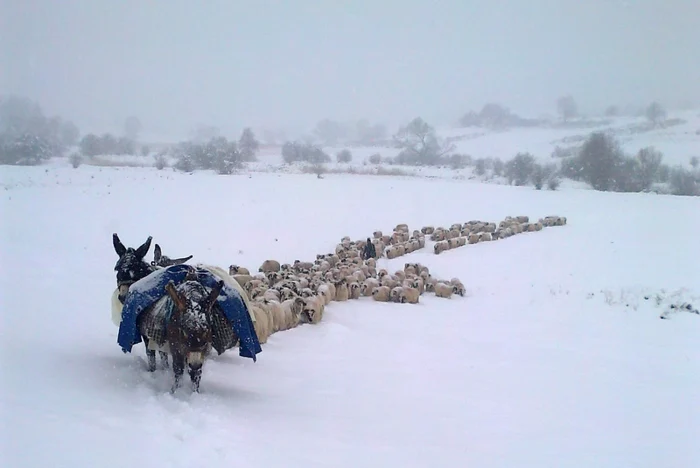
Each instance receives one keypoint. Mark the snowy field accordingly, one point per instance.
(557, 357)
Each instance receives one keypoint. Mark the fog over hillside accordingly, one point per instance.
(265, 64)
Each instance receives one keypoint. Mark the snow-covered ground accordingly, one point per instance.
(555, 358)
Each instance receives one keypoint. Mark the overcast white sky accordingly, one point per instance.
(177, 63)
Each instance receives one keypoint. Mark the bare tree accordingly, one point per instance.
(566, 106)
(419, 144)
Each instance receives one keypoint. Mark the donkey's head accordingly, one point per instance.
(190, 326)
(131, 266)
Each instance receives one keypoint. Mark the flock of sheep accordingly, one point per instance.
(281, 297)
(473, 232)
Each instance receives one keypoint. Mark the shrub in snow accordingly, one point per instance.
(498, 167)
(293, 151)
(248, 145)
(344, 156)
(376, 158)
(145, 150)
(519, 169)
(684, 182)
(553, 183)
(25, 150)
(459, 161)
(599, 161)
(655, 113)
(480, 166)
(419, 145)
(75, 160)
(160, 162)
(542, 174)
(663, 174)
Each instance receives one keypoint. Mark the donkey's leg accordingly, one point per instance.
(164, 359)
(178, 369)
(195, 371)
(151, 356)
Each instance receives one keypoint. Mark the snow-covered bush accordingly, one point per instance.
(344, 156)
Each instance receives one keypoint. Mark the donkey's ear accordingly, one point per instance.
(180, 303)
(157, 254)
(179, 261)
(118, 246)
(214, 294)
(143, 250)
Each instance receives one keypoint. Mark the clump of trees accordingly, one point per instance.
(601, 163)
(95, 145)
(344, 156)
(295, 151)
(28, 137)
(495, 116)
(218, 154)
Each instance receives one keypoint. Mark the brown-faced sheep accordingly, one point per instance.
(381, 294)
(269, 265)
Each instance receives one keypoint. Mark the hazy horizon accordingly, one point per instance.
(289, 64)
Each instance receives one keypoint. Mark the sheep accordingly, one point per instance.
(237, 270)
(242, 279)
(430, 284)
(457, 287)
(389, 281)
(440, 247)
(443, 290)
(453, 243)
(269, 265)
(427, 230)
(473, 238)
(263, 322)
(461, 241)
(271, 295)
(354, 290)
(287, 293)
(410, 295)
(401, 227)
(522, 219)
(368, 286)
(302, 266)
(292, 309)
(342, 293)
(400, 275)
(410, 269)
(327, 291)
(381, 294)
(485, 237)
(396, 294)
(438, 235)
(456, 227)
(418, 284)
(313, 309)
(273, 277)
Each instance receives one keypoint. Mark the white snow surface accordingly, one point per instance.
(554, 358)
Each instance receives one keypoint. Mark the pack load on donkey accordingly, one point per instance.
(230, 319)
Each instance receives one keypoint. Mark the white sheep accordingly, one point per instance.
(313, 309)
(368, 286)
(410, 295)
(381, 294)
(269, 265)
(263, 322)
(342, 293)
(443, 290)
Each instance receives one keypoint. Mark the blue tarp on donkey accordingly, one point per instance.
(145, 292)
